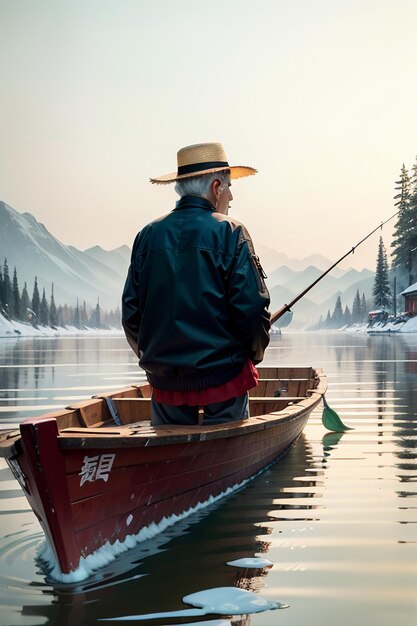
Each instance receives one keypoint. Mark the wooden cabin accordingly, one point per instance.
(410, 296)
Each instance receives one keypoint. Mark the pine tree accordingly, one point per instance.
(364, 309)
(83, 315)
(2, 298)
(53, 313)
(117, 318)
(44, 310)
(97, 315)
(113, 319)
(67, 315)
(36, 301)
(77, 317)
(60, 316)
(381, 290)
(7, 287)
(413, 185)
(15, 296)
(400, 241)
(328, 319)
(24, 304)
(347, 317)
(337, 317)
(412, 226)
(356, 309)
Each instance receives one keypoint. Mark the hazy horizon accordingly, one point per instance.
(319, 97)
(320, 261)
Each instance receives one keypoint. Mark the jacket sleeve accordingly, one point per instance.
(130, 308)
(249, 299)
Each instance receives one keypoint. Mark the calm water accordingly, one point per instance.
(337, 516)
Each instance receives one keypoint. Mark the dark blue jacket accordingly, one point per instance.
(195, 302)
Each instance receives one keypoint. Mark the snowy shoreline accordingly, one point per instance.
(410, 326)
(14, 329)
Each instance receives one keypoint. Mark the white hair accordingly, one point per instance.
(200, 185)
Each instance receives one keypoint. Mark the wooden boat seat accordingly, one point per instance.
(135, 413)
(141, 434)
(285, 372)
(131, 410)
(278, 387)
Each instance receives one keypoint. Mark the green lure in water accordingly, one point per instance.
(331, 420)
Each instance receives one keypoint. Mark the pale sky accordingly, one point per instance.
(319, 95)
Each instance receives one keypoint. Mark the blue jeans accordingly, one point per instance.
(218, 413)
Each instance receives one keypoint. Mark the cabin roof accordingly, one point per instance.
(410, 290)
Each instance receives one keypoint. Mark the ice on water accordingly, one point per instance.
(217, 601)
(210, 622)
(231, 601)
(254, 562)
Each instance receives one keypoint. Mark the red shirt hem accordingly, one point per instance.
(247, 379)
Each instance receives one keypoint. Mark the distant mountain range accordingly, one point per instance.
(272, 259)
(98, 273)
(322, 297)
(87, 275)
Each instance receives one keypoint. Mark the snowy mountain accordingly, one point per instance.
(306, 312)
(285, 284)
(98, 273)
(272, 259)
(118, 259)
(34, 251)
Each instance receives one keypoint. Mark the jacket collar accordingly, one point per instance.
(194, 202)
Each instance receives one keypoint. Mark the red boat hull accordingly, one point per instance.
(92, 490)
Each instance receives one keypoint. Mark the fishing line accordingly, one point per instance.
(287, 307)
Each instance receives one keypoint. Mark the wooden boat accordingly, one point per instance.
(97, 471)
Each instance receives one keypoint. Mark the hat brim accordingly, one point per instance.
(236, 171)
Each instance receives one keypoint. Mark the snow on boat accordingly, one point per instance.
(97, 472)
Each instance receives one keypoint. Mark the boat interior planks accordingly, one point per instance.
(278, 387)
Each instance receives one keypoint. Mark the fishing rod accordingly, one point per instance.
(287, 307)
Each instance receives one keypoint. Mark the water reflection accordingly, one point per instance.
(33, 371)
(403, 377)
(337, 516)
(237, 528)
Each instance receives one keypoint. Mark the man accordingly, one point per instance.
(194, 307)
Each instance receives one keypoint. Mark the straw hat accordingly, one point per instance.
(202, 158)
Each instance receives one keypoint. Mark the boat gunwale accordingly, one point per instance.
(141, 434)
